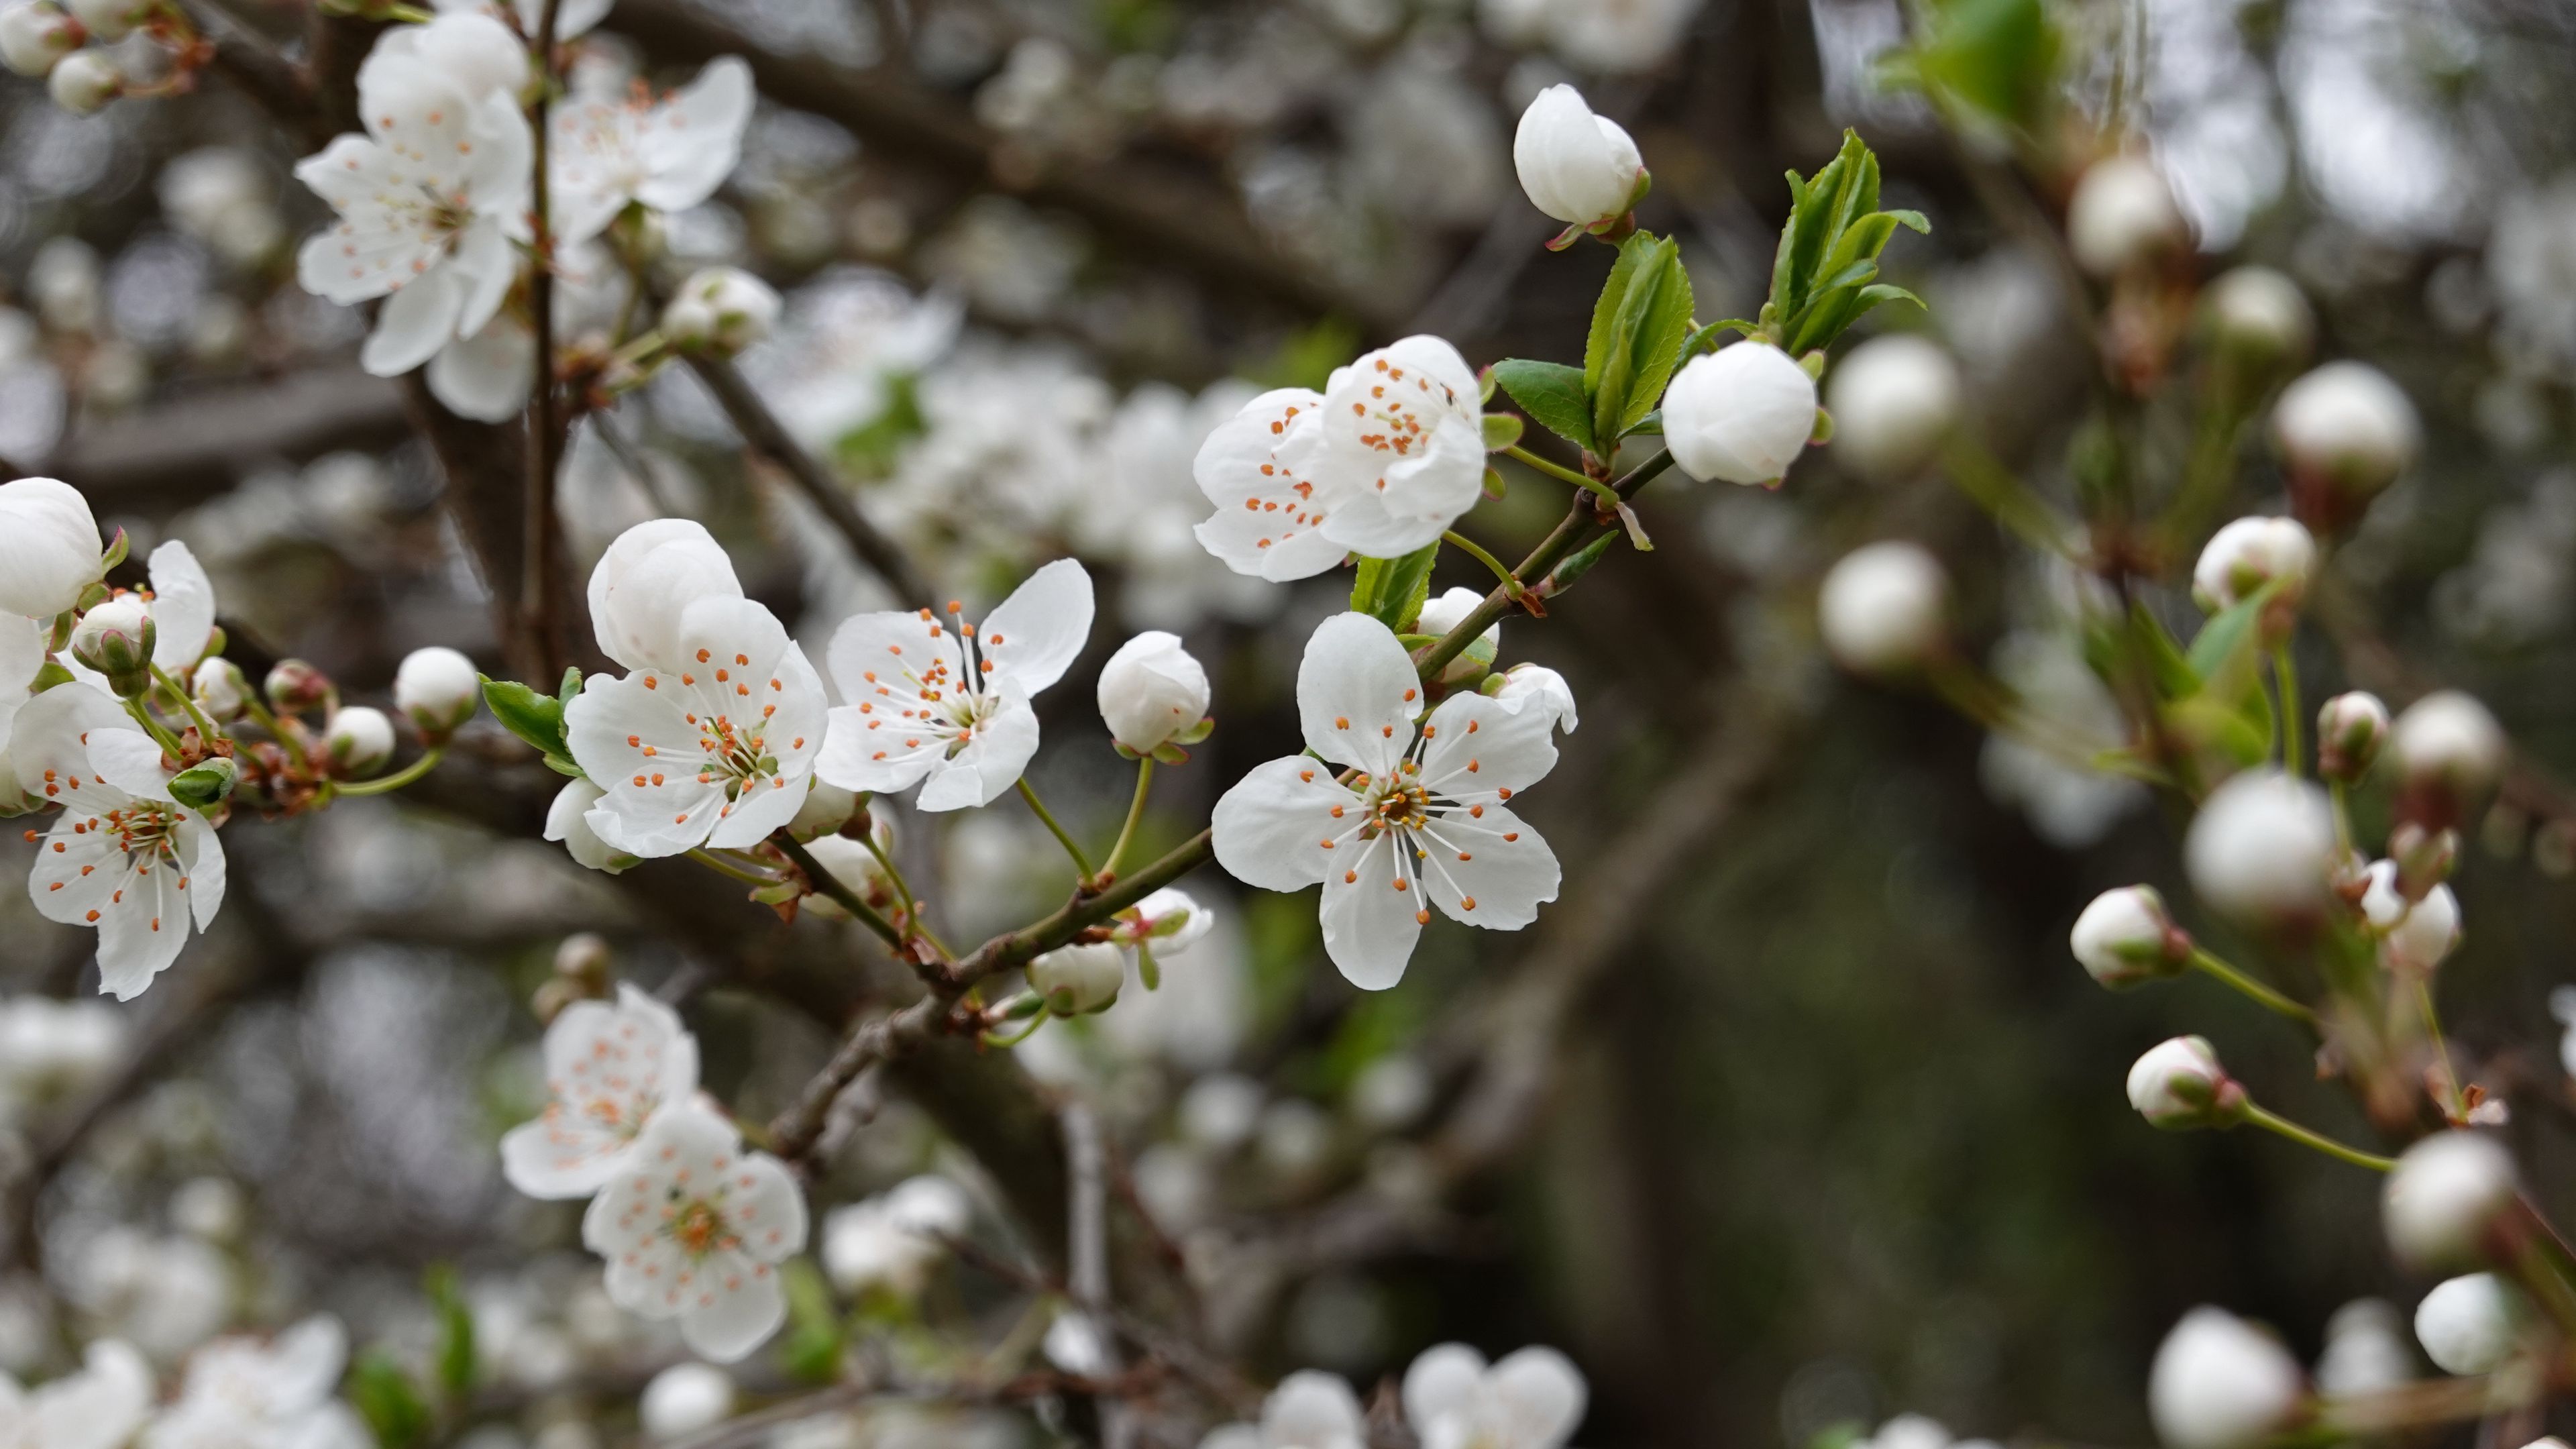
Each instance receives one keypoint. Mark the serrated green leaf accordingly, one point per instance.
(1634, 253)
(1553, 394)
(533, 717)
(1392, 590)
(1645, 339)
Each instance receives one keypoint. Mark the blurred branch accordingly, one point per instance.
(197, 445)
(255, 67)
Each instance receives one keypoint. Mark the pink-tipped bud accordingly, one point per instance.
(2127, 938)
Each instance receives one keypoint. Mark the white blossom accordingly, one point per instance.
(1742, 413)
(609, 1068)
(437, 689)
(2471, 1324)
(123, 856)
(2261, 311)
(893, 1240)
(164, 1294)
(1532, 1398)
(1884, 607)
(432, 196)
(2347, 423)
(685, 1399)
(2448, 740)
(2262, 848)
(1308, 1410)
(1423, 821)
(695, 1230)
(2366, 1350)
(49, 547)
(1151, 690)
(1079, 978)
(2126, 936)
(2179, 1083)
(721, 309)
(1578, 167)
(568, 820)
(241, 1391)
(2351, 730)
(1537, 687)
(2123, 216)
(572, 17)
(2416, 935)
(1258, 469)
(52, 1050)
(99, 1407)
(358, 741)
(1401, 451)
(612, 150)
(2221, 1383)
(2248, 554)
(35, 36)
(1893, 399)
(2444, 1196)
(951, 710)
(84, 81)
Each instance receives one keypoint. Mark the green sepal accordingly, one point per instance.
(1502, 430)
(1146, 969)
(1193, 733)
(1168, 753)
(51, 675)
(1493, 483)
(1553, 394)
(118, 548)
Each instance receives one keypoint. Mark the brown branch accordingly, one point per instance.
(538, 549)
(196, 444)
(255, 68)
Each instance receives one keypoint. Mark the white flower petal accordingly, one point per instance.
(1031, 637)
(648, 577)
(1480, 746)
(1253, 467)
(1446, 1380)
(989, 763)
(691, 141)
(415, 322)
(1370, 920)
(1268, 830)
(486, 377)
(1357, 693)
(1493, 859)
(738, 1313)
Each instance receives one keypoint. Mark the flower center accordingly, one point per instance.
(145, 828)
(699, 1227)
(1403, 804)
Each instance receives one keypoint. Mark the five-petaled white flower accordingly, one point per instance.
(242, 1391)
(693, 1228)
(123, 856)
(670, 153)
(712, 738)
(1256, 469)
(431, 196)
(99, 1407)
(1532, 1398)
(1309, 1409)
(951, 710)
(1420, 823)
(608, 1069)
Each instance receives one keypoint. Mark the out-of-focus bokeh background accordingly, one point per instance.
(1819, 1123)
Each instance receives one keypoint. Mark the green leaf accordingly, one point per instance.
(1645, 337)
(1994, 56)
(1633, 254)
(456, 1360)
(1553, 394)
(2206, 725)
(811, 1351)
(2227, 652)
(385, 1397)
(570, 689)
(1392, 590)
(529, 715)
(2167, 667)
(1910, 219)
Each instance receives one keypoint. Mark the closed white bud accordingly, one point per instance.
(2346, 424)
(2472, 1324)
(1076, 979)
(2179, 1084)
(49, 547)
(2261, 313)
(1893, 400)
(685, 1399)
(1443, 613)
(2262, 850)
(2126, 937)
(115, 638)
(109, 21)
(2250, 553)
(1741, 413)
(2221, 1383)
(2446, 1194)
(220, 689)
(2351, 729)
(359, 741)
(1577, 167)
(1535, 686)
(34, 36)
(2366, 1350)
(720, 309)
(1884, 607)
(84, 81)
(2452, 752)
(1151, 690)
(437, 689)
(2123, 217)
(826, 809)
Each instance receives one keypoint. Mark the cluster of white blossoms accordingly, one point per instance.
(691, 1223)
(1532, 1398)
(236, 1391)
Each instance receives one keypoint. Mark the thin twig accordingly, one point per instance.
(537, 587)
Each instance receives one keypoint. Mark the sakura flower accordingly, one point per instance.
(610, 151)
(1168, 922)
(49, 548)
(645, 578)
(1308, 1410)
(1402, 451)
(608, 1069)
(894, 1240)
(240, 1391)
(99, 1407)
(1530, 1399)
(693, 1228)
(951, 710)
(1420, 822)
(1537, 688)
(123, 856)
(430, 197)
(1255, 467)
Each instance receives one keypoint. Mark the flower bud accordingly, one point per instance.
(1169, 920)
(206, 784)
(359, 741)
(1077, 979)
(2262, 850)
(2424, 858)
(2126, 938)
(1535, 686)
(2221, 1383)
(1445, 612)
(116, 638)
(584, 958)
(565, 822)
(109, 21)
(683, 1400)
(1575, 166)
(2445, 1197)
(49, 548)
(855, 867)
(1151, 690)
(1883, 608)
(2472, 1324)
(1893, 400)
(2350, 730)
(2366, 1350)
(2346, 432)
(438, 690)
(2243, 557)
(219, 689)
(2260, 315)
(2452, 753)
(84, 81)
(2415, 935)
(2123, 217)
(295, 686)
(36, 35)
(721, 310)
(1741, 413)
(2179, 1084)
(826, 809)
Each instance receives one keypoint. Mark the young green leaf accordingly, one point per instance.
(531, 716)
(1392, 590)
(2227, 652)
(1633, 254)
(1552, 394)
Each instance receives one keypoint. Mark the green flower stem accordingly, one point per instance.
(2341, 798)
(294, 748)
(2273, 1122)
(387, 784)
(1998, 490)
(1511, 581)
(2285, 675)
(1523, 456)
(1023, 1034)
(1080, 863)
(1135, 812)
(826, 883)
(2203, 961)
(153, 727)
(205, 727)
(1581, 525)
(725, 866)
(2457, 1109)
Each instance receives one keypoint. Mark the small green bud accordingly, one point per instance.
(204, 786)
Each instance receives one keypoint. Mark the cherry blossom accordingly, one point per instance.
(609, 1067)
(608, 151)
(1402, 451)
(1529, 1399)
(693, 1229)
(241, 1391)
(123, 856)
(431, 196)
(894, 1239)
(99, 1407)
(951, 710)
(1421, 821)
(49, 547)
(1308, 1410)
(1256, 467)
